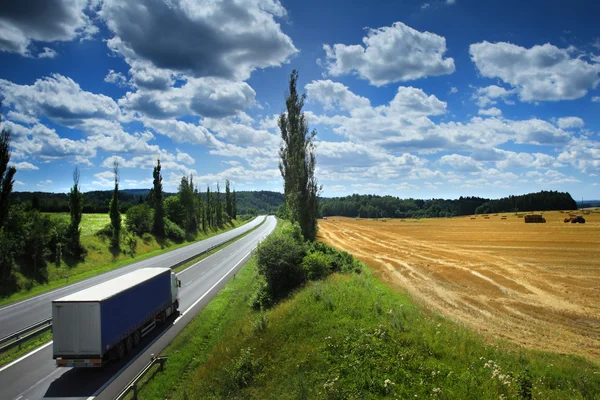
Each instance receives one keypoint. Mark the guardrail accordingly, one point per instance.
(16, 338)
(132, 386)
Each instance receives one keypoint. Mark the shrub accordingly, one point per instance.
(317, 265)
(106, 231)
(173, 231)
(140, 219)
(279, 261)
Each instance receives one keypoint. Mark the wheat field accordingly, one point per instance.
(537, 285)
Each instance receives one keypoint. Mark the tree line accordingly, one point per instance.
(373, 206)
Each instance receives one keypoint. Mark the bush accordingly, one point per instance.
(139, 219)
(173, 231)
(106, 231)
(317, 265)
(340, 261)
(279, 261)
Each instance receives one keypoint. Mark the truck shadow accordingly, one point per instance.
(87, 382)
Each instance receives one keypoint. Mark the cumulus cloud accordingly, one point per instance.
(461, 163)
(207, 97)
(182, 132)
(45, 21)
(58, 98)
(242, 134)
(491, 112)
(489, 95)
(331, 94)
(116, 78)
(391, 54)
(570, 122)
(47, 53)
(543, 72)
(227, 39)
(22, 166)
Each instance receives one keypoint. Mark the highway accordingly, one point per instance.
(36, 376)
(27, 312)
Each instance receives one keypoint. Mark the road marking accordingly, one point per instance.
(196, 264)
(26, 355)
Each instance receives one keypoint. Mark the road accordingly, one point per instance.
(37, 377)
(27, 312)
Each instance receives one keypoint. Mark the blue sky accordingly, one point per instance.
(410, 98)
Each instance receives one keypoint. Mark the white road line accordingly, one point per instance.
(212, 287)
(26, 355)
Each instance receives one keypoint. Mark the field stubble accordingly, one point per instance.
(534, 284)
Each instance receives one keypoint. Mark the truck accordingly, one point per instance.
(102, 323)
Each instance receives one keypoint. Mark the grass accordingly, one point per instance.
(353, 337)
(99, 258)
(12, 354)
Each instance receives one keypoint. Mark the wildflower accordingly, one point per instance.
(437, 390)
(388, 383)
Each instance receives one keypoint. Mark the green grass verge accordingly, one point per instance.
(353, 337)
(99, 258)
(12, 354)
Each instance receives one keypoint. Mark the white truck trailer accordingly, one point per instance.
(103, 322)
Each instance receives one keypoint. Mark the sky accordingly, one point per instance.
(421, 99)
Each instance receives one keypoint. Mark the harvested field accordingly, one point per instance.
(534, 284)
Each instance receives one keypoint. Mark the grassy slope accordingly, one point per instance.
(99, 258)
(353, 337)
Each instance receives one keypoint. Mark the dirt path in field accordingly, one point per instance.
(534, 284)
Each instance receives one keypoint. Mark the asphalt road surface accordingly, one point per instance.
(14, 317)
(36, 376)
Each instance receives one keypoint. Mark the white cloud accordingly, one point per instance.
(540, 73)
(241, 134)
(450, 2)
(201, 39)
(453, 90)
(116, 78)
(391, 54)
(570, 122)
(19, 183)
(20, 117)
(596, 99)
(425, 6)
(58, 98)
(332, 94)
(25, 166)
(583, 154)
(208, 97)
(46, 21)
(491, 112)
(487, 96)
(461, 163)
(182, 132)
(47, 53)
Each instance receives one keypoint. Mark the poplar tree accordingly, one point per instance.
(208, 208)
(218, 207)
(234, 206)
(6, 173)
(297, 162)
(228, 205)
(115, 214)
(75, 209)
(157, 201)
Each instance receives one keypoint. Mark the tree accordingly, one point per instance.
(139, 219)
(234, 206)
(6, 173)
(157, 200)
(218, 207)
(115, 214)
(209, 221)
(228, 205)
(297, 163)
(188, 201)
(75, 209)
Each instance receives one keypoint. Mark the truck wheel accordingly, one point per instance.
(121, 350)
(137, 338)
(129, 343)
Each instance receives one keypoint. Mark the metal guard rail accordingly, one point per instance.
(42, 326)
(132, 386)
(16, 338)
